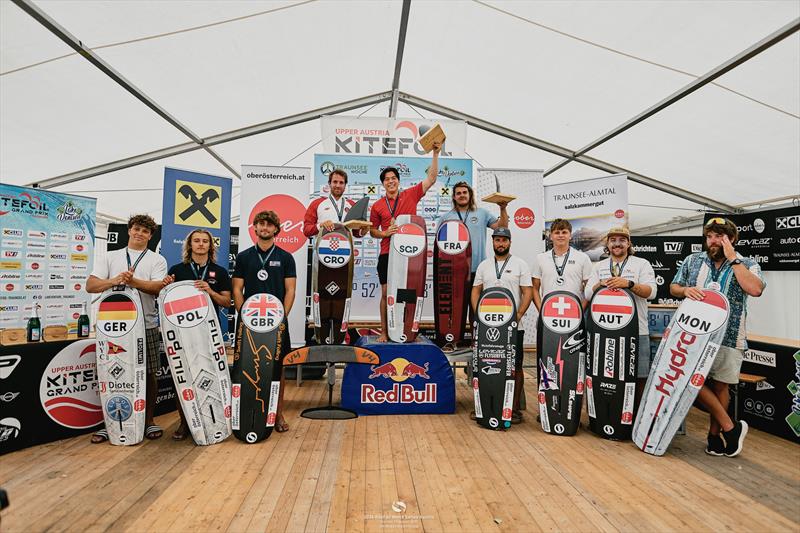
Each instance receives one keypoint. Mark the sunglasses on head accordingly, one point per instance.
(717, 220)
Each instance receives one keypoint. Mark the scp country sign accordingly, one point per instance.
(198, 204)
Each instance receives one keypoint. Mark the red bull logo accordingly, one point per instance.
(399, 370)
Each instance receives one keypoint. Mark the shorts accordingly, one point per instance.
(726, 365)
(645, 357)
(383, 268)
(153, 347)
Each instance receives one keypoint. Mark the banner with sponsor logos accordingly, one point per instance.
(592, 206)
(285, 191)
(46, 254)
(772, 405)
(194, 201)
(388, 136)
(666, 254)
(526, 220)
(364, 180)
(770, 237)
(48, 391)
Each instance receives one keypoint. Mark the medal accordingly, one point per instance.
(714, 286)
(560, 270)
(559, 281)
(262, 275)
(715, 274)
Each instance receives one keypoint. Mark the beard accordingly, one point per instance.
(618, 252)
(502, 252)
(715, 253)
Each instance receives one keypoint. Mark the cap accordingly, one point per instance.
(502, 232)
(619, 230)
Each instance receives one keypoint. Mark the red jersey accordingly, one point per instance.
(322, 210)
(381, 216)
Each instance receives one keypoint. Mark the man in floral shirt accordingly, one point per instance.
(721, 268)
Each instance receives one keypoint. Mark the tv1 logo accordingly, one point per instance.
(673, 247)
(789, 222)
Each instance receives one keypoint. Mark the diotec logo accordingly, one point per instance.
(68, 390)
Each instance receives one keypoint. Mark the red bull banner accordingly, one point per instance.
(411, 378)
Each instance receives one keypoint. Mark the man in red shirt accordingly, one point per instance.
(327, 210)
(386, 210)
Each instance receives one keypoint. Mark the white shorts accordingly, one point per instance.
(726, 365)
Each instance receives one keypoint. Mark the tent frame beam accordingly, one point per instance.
(566, 152)
(73, 42)
(398, 61)
(685, 91)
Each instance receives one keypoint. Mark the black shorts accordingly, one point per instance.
(383, 268)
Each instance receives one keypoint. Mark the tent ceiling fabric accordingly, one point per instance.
(561, 71)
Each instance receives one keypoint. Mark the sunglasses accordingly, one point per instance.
(718, 221)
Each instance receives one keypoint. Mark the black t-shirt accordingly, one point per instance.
(216, 277)
(279, 266)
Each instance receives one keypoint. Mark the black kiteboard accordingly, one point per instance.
(612, 342)
(493, 357)
(331, 284)
(256, 371)
(562, 367)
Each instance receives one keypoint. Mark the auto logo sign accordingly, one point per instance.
(117, 315)
(409, 240)
(185, 306)
(561, 313)
(612, 309)
(495, 309)
(453, 237)
(262, 312)
(334, 250)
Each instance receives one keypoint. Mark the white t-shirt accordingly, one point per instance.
(152, 267)
(637, 270)
(516, 274)
(577, 270)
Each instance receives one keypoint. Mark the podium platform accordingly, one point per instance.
(412, 378)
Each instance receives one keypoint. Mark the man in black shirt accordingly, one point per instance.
(199, 264)
(267, 268)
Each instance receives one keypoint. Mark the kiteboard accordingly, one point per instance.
(612, 341)
(121, 364)
(452, 260)
(407, 269)
(256, 371)
(684, 358)
(493, 357)
(198, 363)
(562, 364)
(332, 284)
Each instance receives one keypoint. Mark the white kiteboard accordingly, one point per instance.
(406, 276)
(196, 354)
(684, 358)
(121, 364)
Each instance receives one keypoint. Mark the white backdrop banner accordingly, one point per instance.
(526, 219)
(388, 136)
(592, 206)
(285, 191)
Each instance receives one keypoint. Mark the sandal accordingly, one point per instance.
(101, 435)
(282, 426)
(181, 433)
(516, 417)
(153, 432)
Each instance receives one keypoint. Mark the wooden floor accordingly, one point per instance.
(450, 474)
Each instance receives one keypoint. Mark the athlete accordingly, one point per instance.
(721, 268)
(199, 265)
(506, 270)
(267, 268)
(327, 210)
(384, 213)
(146, 271)
(563, 268)
(624, 271)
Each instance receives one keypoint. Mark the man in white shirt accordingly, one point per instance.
(623, 270)
(561, 269)
(512, 273)
(146, 271)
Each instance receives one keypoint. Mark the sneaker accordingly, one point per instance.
(715, 445)
(734, 439)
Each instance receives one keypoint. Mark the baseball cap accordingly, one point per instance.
(502, 232)
(619, 230)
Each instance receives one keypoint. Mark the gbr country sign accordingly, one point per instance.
(262, 312)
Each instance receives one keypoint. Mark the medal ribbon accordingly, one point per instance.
(617, 269)
(339, 210)
(392, 209)
(560, 271)
(265, 259)
(132, 268)
(196, 269)
(500, 271)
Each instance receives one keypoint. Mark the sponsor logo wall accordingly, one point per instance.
(770, 237)
(43, 235)
(364, 180)
(666, 254)
(285, 191)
